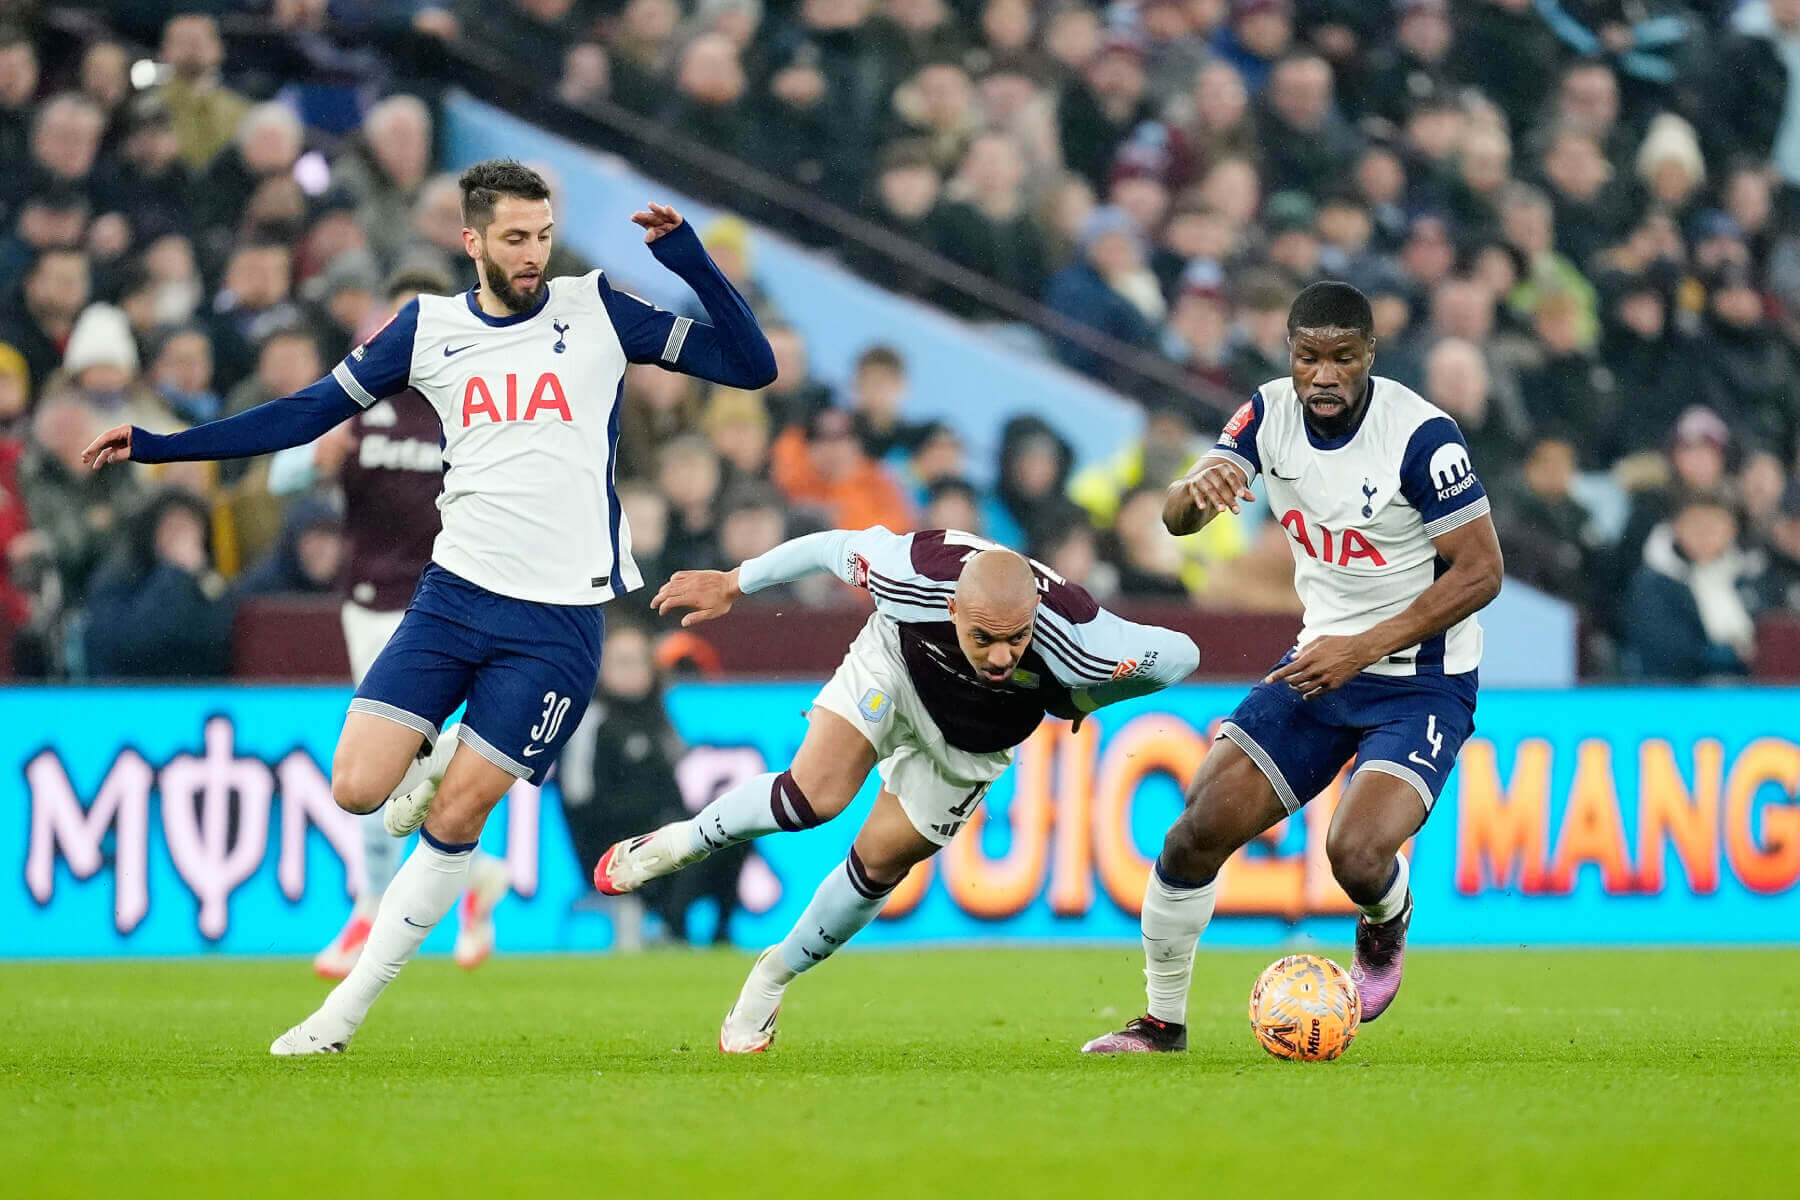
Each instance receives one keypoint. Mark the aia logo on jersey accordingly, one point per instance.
(1239, 420)
(1451, 471)
(1342, 549)
(547, 400)
(859, 571)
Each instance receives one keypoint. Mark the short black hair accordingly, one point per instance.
(881, 356)
(952, 486)
(1331, 304)
(484, 183)
(418, 278)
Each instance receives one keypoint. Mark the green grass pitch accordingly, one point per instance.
(904, 1074)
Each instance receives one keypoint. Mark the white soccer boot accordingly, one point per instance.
(407, 807)
(749, 1027)
(317, 1034)
(488, 885)
(632, 863)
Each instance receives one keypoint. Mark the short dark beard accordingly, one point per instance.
(1344, 422)
(501, 288)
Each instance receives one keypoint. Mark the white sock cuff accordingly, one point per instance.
(1393, 900)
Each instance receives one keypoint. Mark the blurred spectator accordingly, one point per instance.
(708, 105)
(1417, 63)
(1457, 381)
(1304, 139)
(181, 373)
(952, 504)
(937, 107)
(647, 516)
(1111, 290)
(1695, 464)
(1745, 369)
(1259, 33)
(1573, 388)
(385, 169)
(343, 298)
(205, 111)
(75, 507)
(1750, 88)
(1032, 501)
(1670, 164)
(268, 143)
(1149, 562)
(65, 146)
(102, 360)
(689, 475)
(1103, 106)
(1652, 366)
(1589, 213)
(796, 135)
(618, 779)
(158, 610)
(1688, 620)
(642, 46)
(19, 77)
(250, 306)
(149, 184)
(1199, 336)
(40, 316)
(1261, 351)
(738, 427)
(794, 396)
(1169, 445)
(822, 466)
(1549, 537)
(1503, 47)
(308, 558)
(988, 228)
(659, 406)
(877, 401)
(901, 200)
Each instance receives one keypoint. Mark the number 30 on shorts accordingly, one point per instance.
(555, 709)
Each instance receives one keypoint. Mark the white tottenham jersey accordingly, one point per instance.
(1360, 511)
(530, 412)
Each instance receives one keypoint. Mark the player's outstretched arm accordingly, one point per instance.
(712, 593)
(709, 593)
(1473, 579)
(1211, 486)
(290, 421)
(732, 350)
(1150, 659)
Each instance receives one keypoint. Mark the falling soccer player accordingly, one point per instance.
(1394, 553)
(969, 646)
(526, 374)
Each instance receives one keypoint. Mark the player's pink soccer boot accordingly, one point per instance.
(1141, 1035)
(335, 960)
(488, 885)
(1380, 953)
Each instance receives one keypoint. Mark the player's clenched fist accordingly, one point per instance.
(112, 446)
(709, 593)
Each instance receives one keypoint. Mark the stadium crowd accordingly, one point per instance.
(1579, 223)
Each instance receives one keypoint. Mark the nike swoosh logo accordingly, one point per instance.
(414, 923)
(448, 351)
(1414, 757)
(533, 751)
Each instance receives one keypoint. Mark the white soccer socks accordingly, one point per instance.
(1393, 898)
(760, 805)
(1174, 916)
(381, 855)
(423, 891)
(844, 903)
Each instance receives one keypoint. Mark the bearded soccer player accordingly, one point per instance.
(526, 375)
(969, 646)
(1394, 553)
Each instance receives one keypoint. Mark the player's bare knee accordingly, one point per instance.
(1361, 864)
(355, 789)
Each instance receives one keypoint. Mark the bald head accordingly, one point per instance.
(993, 611)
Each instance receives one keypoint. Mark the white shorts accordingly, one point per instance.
(366, 631)
(937, 785)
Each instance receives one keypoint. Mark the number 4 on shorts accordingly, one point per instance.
(1437, 743)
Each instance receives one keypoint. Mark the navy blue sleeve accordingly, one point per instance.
(290, 421)
(732, 350)
(1437, 478)
(1237, 441)
(382, 366)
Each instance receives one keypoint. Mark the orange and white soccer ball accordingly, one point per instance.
(1304, 1008)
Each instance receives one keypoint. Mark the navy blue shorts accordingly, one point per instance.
(527, 671)
(1408, 726)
